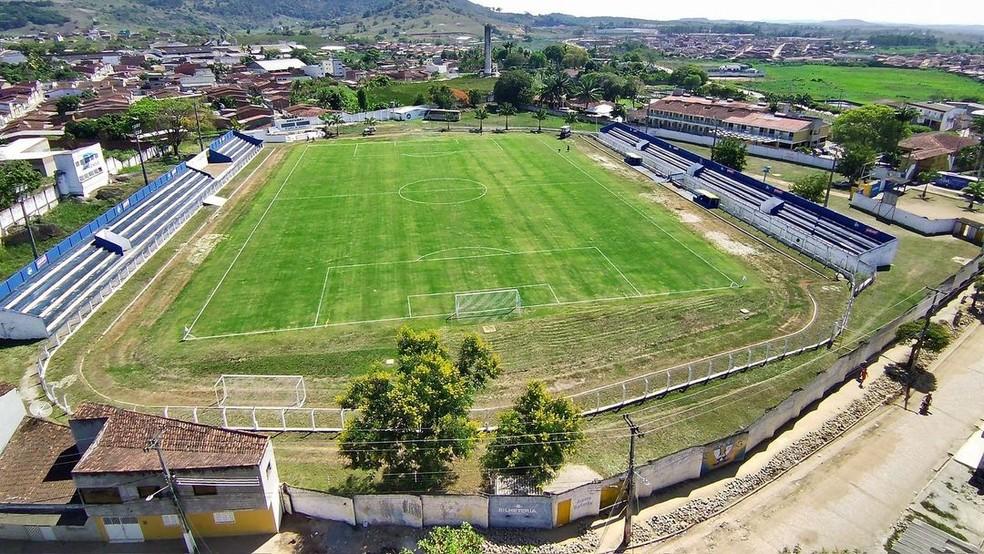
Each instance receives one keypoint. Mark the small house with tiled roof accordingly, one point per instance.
(225, 481)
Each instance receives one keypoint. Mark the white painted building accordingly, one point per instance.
(328, 68)
(81, 171)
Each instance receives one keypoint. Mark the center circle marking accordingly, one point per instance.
(479, 189)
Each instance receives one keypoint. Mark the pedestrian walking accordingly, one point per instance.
(926, 402)
(862, 375)
(568, 147)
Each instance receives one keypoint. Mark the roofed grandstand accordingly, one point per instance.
(823, 234)
(68, 281)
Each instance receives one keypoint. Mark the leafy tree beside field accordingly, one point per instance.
(813, 187)
(413, 420)
(17, 178)
(534, 437)
(731, 152)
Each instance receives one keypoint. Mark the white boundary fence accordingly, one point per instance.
(38, 203)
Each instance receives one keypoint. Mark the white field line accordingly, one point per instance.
(355, 152)
(615, 267)
(495, 254)
(554, 293)
(499, 145)
(643, 214)
(246, 242)
(321, 299)
(394, 319)
(464, 248)
(397, 193)
(409, 308)
(177, 252)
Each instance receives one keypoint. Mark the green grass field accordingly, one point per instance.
(380, 230)
(864, 84)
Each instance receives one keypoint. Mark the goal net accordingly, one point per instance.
(271, 391)
(487, 303)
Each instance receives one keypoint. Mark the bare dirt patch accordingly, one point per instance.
(730, 245)
(200, 248)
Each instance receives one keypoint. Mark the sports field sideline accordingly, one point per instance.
(383, 230)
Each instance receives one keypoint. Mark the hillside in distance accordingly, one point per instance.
(367, 17)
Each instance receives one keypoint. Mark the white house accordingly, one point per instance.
(81, 171)
(935, 115)
(327, 68)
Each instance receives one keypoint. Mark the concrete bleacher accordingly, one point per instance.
(42, 298)
(823, 234)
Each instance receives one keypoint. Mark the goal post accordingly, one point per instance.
(487, 303)
(275, 391)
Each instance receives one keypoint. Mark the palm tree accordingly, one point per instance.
(332, 120)
(555, 88)
(539, 116)
(905, 114)
(505, 110)
(975, 191)
(370, 122)
(571, 119)
(481, 115)
(587, 91)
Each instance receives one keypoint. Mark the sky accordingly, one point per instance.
(964, 12)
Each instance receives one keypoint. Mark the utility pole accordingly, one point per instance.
(155, 444)
(136, 136)
(198, 126)
(914, 353)
(630, 481)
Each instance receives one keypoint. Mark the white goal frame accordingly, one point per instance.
(487, 303)
(255, 391)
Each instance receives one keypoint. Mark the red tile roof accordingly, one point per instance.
(119, 447)
(35, 467)
(930, 145)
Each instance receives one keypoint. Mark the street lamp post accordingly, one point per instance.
(136, 135)
(30, 232)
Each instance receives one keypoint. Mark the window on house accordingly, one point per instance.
(170, 520)
(101, 495)
(224, 517)
(204, 490)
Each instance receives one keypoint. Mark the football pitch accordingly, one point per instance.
(379, 230)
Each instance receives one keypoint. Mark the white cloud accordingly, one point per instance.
(964, 12)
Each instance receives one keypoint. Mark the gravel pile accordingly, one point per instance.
(701, 509)
(580, 539)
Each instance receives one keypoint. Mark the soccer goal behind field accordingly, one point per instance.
(275, 391)
(487, 303)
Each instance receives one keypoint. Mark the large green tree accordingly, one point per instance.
(813, 187)
(175, 117)
(874, 126)
(17, 178)
(854, 161)
(534, 437)
(412, 421)
(441, 96)
(689, 76)
(514, 87)
(731, 152)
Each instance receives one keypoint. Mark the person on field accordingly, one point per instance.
(926, 402)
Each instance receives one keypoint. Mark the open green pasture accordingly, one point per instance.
(380, 230)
